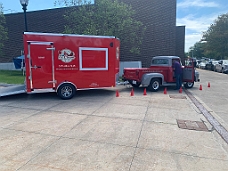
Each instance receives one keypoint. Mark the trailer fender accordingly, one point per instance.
(146, 78)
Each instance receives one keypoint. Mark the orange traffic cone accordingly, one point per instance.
(180, 90)
(132, 92)
(200, 87)
(117, 93)
(209, 85)
(165, 91)
(144, 93)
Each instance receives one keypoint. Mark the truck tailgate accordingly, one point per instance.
(12, 89)
(131, 73)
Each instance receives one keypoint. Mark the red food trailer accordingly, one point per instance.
(65, 63)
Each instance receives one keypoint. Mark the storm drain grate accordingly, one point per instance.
(177, 97)
(192, 125)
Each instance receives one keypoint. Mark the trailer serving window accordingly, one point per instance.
(93, 58)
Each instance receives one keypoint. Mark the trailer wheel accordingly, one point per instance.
(189, 84)
(154, 84)
(66, 91)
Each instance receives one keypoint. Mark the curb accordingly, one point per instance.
(216, 116)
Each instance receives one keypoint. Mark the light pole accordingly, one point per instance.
(24, 4)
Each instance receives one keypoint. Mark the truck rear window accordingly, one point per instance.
(160, 61)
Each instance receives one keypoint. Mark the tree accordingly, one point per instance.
(216, 38)
(105, 17)
(197, 50)
(3, 32)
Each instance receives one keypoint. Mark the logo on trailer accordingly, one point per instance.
(66, 55)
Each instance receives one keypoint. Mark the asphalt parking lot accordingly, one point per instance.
(98, 131)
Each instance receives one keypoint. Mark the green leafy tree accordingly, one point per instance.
(216, 38)
(105, 17)
(197, 50)
(186, 54)
(3, 32)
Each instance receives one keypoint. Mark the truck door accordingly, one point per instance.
(189, 70)
(41, 65)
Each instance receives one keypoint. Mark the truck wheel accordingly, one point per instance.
(154, 84)
(134, 85)
(66, 91)
(189, 84)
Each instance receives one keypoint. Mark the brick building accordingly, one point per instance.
(162, 36)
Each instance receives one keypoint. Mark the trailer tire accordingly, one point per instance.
(66, 91)
(154, 84)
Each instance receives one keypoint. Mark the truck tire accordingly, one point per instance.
(66, 91)
(189, 84)
(154, 84)
(134, 85)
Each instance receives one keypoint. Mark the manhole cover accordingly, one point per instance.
(177, 97)
(192, 125)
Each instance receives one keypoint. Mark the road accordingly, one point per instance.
(215, 96)
(97, 131)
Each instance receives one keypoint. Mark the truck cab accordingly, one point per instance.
(161, 73)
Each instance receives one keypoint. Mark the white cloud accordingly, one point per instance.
(195, 27)
(191, 39)
(196, 3)
(196, 24)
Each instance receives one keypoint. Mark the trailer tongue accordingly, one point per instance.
(12, 89)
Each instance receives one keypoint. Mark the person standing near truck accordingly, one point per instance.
(178, 74)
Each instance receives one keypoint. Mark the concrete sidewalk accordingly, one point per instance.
(98, 131)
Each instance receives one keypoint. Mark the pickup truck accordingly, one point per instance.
(161, 73)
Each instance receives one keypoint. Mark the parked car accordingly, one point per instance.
(213, 65)
(197, 63)
(222, 66)
(202, 65)
(210, 65)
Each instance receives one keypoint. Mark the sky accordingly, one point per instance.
(195, 15)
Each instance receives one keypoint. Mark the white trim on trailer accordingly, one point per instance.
(96, 88)
(30, 66)
(45, 90)
(93, 49)
(39, 43)
(72, 35)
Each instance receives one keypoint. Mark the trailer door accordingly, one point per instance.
(41, 64)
